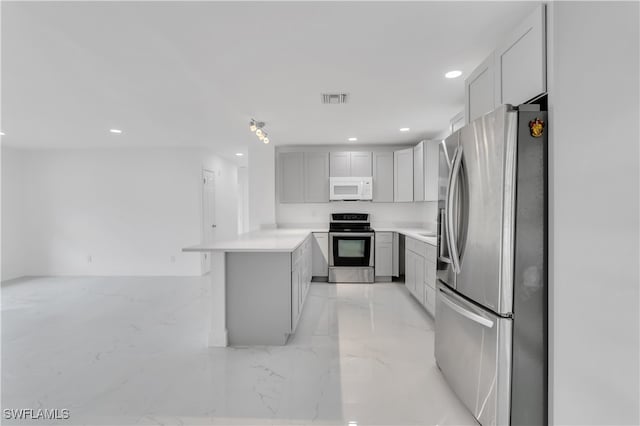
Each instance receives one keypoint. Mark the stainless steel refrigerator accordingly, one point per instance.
(491, 302)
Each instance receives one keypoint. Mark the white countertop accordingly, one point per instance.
(287, 240)
(415, 233)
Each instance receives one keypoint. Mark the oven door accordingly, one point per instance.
(350, 249)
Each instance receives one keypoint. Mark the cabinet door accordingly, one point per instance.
(431, 161)
(320, 254)
(291, 166)
(521, 62)
(340, 164)
(316, 177)
(403, 175)
(384, 257)
(479, 90)
(456, 122)
(419, 265)
(396, 255)
(383, 176)
(308, 256)
(295, 297)
(303, 284)
(418, 172)
(410, 271)
(361, 164)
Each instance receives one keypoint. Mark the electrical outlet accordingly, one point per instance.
(173, 259)
(89, 258)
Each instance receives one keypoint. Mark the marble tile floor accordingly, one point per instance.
(131, 351)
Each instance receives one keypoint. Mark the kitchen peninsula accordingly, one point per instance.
(259, 282)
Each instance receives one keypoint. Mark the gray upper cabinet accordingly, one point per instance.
(479, 90)
(456, 122)
(514, 73)
(383, 176)
(520, 62)
(316, 177)
(403, 175)
(291, 169)
(431, 175)
(340, 164)
(350, 164)
(418, 172)
(361, 164)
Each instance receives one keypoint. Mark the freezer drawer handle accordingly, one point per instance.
(465, 313)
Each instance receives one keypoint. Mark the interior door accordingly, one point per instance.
(484, 177)
(208, 214)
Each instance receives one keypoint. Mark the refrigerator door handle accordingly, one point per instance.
(464, 312)
(444, 239)
(451, 191)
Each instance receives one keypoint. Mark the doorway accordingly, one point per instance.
(208, 214)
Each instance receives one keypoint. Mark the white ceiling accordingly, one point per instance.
(193, 74)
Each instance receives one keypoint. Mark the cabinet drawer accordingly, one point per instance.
(384, 237)
(412, 244)
(431, 253)
(418, 247)
(298, 254)
(408, 243)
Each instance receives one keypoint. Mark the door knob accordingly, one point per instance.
(213, 226)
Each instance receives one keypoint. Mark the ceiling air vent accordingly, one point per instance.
(334, 98)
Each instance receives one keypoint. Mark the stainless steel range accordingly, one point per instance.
(351, 245)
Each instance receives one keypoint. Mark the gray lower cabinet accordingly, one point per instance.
(265, 294)
(420, 272)
(258, 298)
(320, 254)
(383, 177)
(383, 253)
(301, 260)
(316, 177)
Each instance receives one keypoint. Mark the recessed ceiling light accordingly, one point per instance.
(116, 131)
(405, 129)
(239, 154)
(453, 74)
(352, 139)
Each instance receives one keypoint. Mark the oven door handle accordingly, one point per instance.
(351, 234)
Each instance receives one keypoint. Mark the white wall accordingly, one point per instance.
(382, 214)
(13, 214)
(243, 200)
(131, 210)
(262, 186)
(594, 276)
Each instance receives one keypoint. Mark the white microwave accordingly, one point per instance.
(350, 188)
